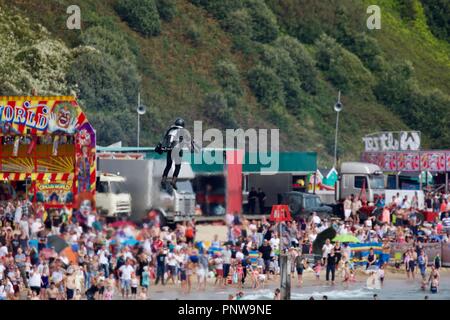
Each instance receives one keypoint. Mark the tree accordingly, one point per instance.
(264, 23)
(266, 85)
(167, 9)
(303, 61)
(98, 84)
(141, 15)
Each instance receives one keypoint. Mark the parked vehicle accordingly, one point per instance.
(354, 176)
(143, 182)
(302, 204)
(112, 198)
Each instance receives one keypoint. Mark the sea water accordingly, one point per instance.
(391, 290)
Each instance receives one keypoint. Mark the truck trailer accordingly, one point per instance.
(143, 183)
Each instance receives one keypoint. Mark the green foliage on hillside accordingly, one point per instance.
(142, 15)
(438, 13)
(238, 63)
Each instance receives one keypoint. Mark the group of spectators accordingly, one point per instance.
(109, 261)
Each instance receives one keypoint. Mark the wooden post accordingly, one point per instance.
(285, 275)
(446, 182)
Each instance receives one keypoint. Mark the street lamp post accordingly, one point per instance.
(338, 108)
(140, 111)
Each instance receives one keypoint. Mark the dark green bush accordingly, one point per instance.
(343, 68)
(167, 9)
(266, 86)
(303, 61)
(239, 22)
(216, 107)
(219, 8)
(109, 129)
(98, 83)
(264, 23)
(141, 15)
(279, 116)
(228, 76)
(278, 59)
(396, 85)
(130, 78)
(364, 46)
(108, 42)
(408, 9)
(437, 13)
(193, 35)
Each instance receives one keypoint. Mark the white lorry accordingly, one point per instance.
(353, 176)
(143, 182)
(112, 198)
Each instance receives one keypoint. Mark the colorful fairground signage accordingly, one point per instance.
(22, 115)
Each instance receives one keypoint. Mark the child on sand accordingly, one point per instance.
(108, 294)
(346, 273)
(134, 286)
(143, 294)
(317, 268)
(381, 274)
(434, 284)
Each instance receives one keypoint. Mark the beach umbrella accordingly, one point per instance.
(57, 242)
(349, 238)
(328, 233)
(69, 254)
(130, 242)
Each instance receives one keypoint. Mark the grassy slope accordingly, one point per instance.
(403, 40)
(177, 74)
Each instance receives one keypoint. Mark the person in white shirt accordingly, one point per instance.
(2, 270)
(103, 260)
(172, 265)
(275, 243)
(239, 255)
(347, 207)
(24, 225)
(35, 281)
(18, 213)
(315, 219)
(3, 251)
(405, 203)
(36, 227)
(326, 249)
(125, 278)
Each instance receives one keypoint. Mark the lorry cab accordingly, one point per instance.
(177, 205)
(112, 197)
(354, 176)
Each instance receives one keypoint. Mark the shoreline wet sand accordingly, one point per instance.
(396, 287)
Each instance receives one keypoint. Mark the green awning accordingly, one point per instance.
(288, 162)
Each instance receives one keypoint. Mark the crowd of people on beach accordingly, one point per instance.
(55, 255)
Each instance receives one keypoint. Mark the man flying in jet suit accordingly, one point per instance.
(174, 140)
